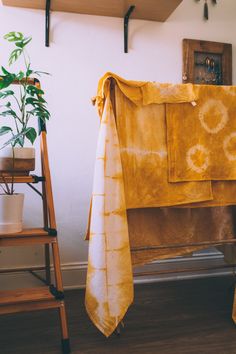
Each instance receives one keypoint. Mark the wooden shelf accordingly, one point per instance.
(20, 179)
(29, 299)
(24, 295)
(152, 10)
(27, 237)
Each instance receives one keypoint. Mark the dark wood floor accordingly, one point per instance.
(184, 317)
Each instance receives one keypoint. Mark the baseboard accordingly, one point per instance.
(74, 274)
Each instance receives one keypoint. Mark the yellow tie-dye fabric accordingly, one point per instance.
(144, 93)
(126, 179)
(202, 139)
(109, 288)
(143, 148)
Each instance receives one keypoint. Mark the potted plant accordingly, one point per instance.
(19, 104)
(11, 208)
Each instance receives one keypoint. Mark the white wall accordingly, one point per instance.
(82, 49)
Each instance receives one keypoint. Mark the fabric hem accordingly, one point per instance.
(107, 333)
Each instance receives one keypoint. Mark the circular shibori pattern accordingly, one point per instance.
(226, 146)
(198, 148)
(222, 111)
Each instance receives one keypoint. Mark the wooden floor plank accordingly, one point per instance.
(184, 317)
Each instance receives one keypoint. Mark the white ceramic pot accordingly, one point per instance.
(18, 160)
(11, 213)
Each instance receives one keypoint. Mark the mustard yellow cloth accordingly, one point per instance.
(144, 93)
(153, 227)
(202, 139)
(131, 173)
(143, 148)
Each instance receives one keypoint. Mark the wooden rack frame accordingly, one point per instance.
(48, 296)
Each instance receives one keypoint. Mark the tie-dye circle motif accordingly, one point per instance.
(198, 158)
(213, 109)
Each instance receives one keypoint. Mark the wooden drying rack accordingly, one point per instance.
(47, 296)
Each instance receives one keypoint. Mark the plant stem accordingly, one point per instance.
(6, 185)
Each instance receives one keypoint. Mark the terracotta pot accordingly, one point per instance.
(11, 213)
(21, 164)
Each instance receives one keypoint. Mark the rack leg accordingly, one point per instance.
(65, 342)
(62, 312)
(57, 266)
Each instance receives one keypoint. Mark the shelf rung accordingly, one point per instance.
(25, 295)
(28, 299)
(27, 233)
(21, 179)
(27, 237)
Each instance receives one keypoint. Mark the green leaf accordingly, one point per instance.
(33, 90)
(20, 76)
(17, 139)
(31, 135)
(15, 55)
(6, 81)
(40, 113)
(29, 72)
(5, 71)
(14, 36)
(26, 40)
(36, 102)
(6, 93)
(5, 130)
(19, 44)
(9, 112)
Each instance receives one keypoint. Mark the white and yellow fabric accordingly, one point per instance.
(132, 177)
(109, 289)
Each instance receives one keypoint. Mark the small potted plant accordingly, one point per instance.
(11, 208)
(19, 104)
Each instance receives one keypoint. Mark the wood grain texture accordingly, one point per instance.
(154, 10)
(190, 46)
(185, 317)
(14, 165)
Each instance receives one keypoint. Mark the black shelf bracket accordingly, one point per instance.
(126, 25)
(59, 295)
(51, 232)
(47, 22)
(35, 189)
(38, 179)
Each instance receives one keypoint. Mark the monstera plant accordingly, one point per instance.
(21, 102)
(24, 102)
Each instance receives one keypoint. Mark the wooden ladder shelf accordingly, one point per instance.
(49, 296)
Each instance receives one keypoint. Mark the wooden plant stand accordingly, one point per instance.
(47, 296)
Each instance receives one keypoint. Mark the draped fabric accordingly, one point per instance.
(109, 288)
(209, 152)
(134, 204)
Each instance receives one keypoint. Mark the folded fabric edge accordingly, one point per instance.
(107, 332)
